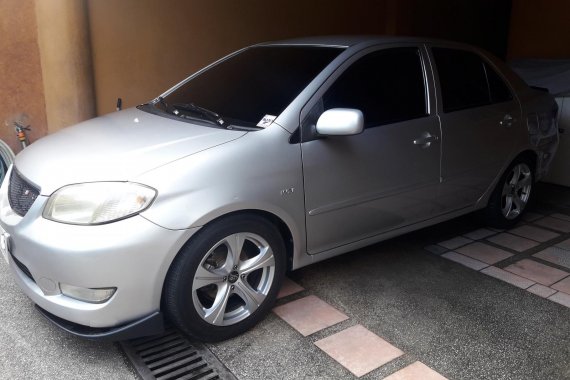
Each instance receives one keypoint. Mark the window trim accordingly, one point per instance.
(486, 62)
(427, 72)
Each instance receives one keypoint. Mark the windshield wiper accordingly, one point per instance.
(191, 107)
(163, 103)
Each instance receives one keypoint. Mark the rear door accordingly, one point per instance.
(479, 116)
(386, 177)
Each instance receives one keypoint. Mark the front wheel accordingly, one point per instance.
(226, 278)
(511, 196)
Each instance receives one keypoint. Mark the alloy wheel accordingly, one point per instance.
(516, 191)
(233, 279)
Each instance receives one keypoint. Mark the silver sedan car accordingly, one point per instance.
(194, 205)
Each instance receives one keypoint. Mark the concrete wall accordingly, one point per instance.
(540, 29)
(21, 88)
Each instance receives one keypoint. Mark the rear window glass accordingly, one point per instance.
(257, 82)
(466, 81)
(498, 89)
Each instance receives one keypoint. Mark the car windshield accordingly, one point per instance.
(254, 84)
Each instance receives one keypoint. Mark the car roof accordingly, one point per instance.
(353, 40)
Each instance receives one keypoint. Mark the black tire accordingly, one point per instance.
(519, 189)
(187, 307)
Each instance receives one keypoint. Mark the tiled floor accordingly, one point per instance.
(555, 255)
(484, 252)
(534, 233)
(356, 348)
(540, 273)
(309, 314)
(535, 255)
(514, 242)
(416, 371)
(289, 287)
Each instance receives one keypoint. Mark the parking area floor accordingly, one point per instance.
(399, 308)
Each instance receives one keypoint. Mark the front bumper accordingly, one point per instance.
(146, 326)
(132, 255)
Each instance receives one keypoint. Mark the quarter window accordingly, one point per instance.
(466, 81)
(387, 86)
(498, 89)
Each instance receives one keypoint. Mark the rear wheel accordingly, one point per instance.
(226, 279)
(512, 195)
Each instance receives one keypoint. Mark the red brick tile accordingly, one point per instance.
(564, 244)
(513, 242)
(541, 290)
(543, 274)
(464, 260)
(358, 349)
(534, 233)
(511, 278)
(309, 315)
(416, 371)
(484, 252)
(561, 216)
(555, 255)
(455, 242)
(563, 286)
(436, 249)
(481, 233)
(561, 298)
(530, 216)
(554, 223)
(289, 287)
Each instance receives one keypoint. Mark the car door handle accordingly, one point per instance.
(507, 121)
(426, 140)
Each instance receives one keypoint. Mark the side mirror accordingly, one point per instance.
(340, 122)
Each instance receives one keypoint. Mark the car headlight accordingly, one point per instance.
(98, 202)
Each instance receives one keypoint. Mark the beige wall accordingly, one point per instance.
(540, 29)
(21, 88)
(139, 48)
(63, 37)
(142, 47)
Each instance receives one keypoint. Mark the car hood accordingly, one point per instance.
(115, 147)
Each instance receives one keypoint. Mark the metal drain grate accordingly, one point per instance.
(171, 356)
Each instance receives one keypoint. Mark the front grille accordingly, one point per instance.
(22, 267)
(21, 193)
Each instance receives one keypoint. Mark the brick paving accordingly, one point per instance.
(416, 371)
(309, 314)
(288, 288)
(514, 242)
(534, 255)
(484, 252)
(540, 273)
(356, 348)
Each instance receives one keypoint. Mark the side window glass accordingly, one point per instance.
(499, 90)
(386, 85)
(462, 79)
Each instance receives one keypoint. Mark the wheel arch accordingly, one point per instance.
(531, 156)
(275, 220)
(528, 154)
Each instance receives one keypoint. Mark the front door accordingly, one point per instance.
(387, 177)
